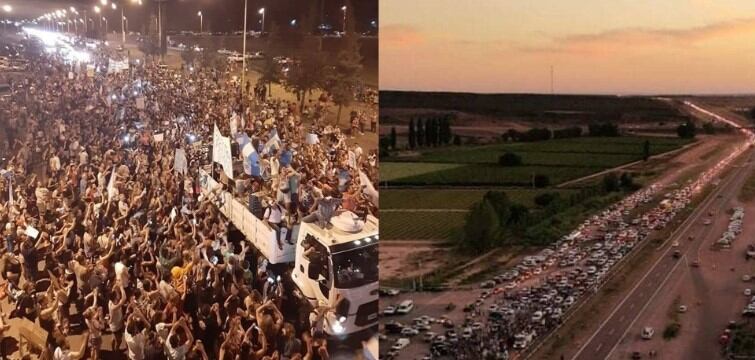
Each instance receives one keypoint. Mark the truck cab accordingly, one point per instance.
(337, 267)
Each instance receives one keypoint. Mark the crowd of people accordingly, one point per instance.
(105, 237)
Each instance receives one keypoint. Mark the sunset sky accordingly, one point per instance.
(595, 46)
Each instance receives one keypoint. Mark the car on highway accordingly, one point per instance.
(682, 309)
(405, 307)
(707, 222)
(748, 292)
(389, 310)
(400, 344)
(647, 333)
(407, 331)
(429, 336)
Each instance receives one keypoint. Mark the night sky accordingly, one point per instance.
(219, 15)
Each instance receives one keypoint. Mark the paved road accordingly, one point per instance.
(621, 321)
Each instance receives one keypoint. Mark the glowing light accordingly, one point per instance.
(7, 8)
(261, 11)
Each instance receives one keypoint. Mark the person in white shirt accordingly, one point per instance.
(63, 351)
(174, 350)
(136, 333)
(115, 310)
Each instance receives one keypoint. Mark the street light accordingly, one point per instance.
(103, 2)
(7, 8)
(96, 9)
(201, 20)
(343, 8)
(261, 11)
(113, 6)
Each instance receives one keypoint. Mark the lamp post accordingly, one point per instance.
(261, 11)
(343, 8)
(105, 20)
(201, 20)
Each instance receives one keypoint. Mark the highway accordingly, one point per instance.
(621, 322)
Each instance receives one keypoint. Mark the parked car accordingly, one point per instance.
(647, 333)
(405, 307)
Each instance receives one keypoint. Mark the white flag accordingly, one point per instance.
(367, 187)
(111, 186)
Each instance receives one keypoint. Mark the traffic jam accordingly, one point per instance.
(520, 305)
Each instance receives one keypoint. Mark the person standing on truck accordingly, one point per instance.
(274, 216)
(323, 209)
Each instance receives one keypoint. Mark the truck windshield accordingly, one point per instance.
(355, 268)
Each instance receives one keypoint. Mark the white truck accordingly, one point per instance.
(335, 268)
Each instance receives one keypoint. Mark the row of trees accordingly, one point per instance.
(434, 131)
(312, 70)
(498, 221)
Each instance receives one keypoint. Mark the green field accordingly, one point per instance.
(453, 199)
(420, 225)
(561, 160)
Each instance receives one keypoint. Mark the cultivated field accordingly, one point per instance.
(561, 160)
(433, 214)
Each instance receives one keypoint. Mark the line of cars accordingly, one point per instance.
(532, 298)
(734, 228)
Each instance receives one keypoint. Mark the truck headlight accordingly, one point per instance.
(337, 327)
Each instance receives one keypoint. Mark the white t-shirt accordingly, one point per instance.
(135, 345)
(178, 353)
(274, 214)
(61, 354)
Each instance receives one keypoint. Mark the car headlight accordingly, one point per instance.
(337, 327)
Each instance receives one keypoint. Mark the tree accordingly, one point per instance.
(271, 73)
(188, 56)
(510, 159)
(457, 140)
(412, 135)
(541, 181)
(307, 75)
(687, 130)
(347, 73)
(429, 126)
(420, 132)
(646, 150)
(545, 199)
(611, 182)
(481, 228)
(626, 181)
(393, 138)
(150, 42)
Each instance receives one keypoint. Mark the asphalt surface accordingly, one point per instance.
(622, 320)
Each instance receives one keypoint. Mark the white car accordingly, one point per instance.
(682, 308)
(400, 344)
(647, 333)
(537, 316)
(389, 310)
(407, 331)
(405, 307)
(748, 292)
(428, 337)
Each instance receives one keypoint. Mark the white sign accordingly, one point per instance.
(179, 161)
(159, 137)
(221, 152)
(70, 75)
(32, 232)
(312, 139)
(140, 103)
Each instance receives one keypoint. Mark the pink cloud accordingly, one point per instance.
(400, 35)
(622, 39)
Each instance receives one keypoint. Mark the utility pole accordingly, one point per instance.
(552, 80)
(243, 51)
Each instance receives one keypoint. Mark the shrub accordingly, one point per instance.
(510, 159)
(541, 181)
(671, 331)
